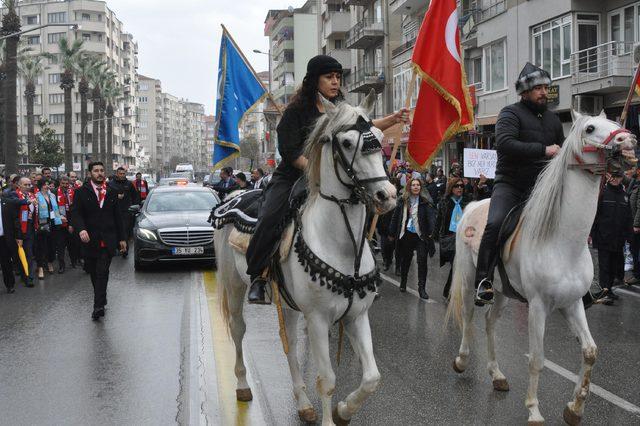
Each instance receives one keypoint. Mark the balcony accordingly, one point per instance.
(406, 7)
(407, 45)
(602, 69)
(281, 68)
(362, 81)
(337, 24)
(358, 2)
(365, 34)
(282, 45)
(493, 10)
(282, 92)
(343, 56)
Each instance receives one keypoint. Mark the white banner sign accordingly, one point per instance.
(480, 161)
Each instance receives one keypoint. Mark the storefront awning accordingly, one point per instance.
(486, 121)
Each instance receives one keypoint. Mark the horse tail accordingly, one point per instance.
(224, 308)
(219, 239)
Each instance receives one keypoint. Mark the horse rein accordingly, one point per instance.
(598, 168)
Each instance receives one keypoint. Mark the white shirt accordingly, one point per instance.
(257, 183)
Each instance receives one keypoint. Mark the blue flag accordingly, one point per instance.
(239, 90)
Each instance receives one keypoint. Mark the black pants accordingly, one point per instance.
(98, 268)
(387, 249)
(67, 242)
(503, 199)
(268, 232)
(635, 253)
(46, 247)
(409, 243)
(6, 264)
(447, 286)
(610, 267)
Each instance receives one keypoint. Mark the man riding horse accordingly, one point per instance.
(527, 135)
(323, 77)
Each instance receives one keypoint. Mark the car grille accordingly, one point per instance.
(186, 237)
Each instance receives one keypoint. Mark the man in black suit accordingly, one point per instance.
(8, 219)
(96, 217)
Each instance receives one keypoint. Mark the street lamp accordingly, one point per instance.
(73, 27)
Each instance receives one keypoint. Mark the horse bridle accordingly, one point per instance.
(598, 168)
(370, 145)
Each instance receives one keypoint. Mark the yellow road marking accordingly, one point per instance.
(233, 412)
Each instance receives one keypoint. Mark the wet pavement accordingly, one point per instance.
(162, 356)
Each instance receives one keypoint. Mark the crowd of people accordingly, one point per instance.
(38, 220)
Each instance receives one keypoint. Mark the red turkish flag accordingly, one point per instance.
(444, 106)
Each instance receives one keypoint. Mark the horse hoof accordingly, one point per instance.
(244, 395)
(339, 421)
(308, 415)
(456, 368)
(570, 417)
(501, 385)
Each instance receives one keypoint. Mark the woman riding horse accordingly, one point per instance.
(324, 75)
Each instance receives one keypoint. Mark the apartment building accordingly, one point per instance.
(150, 119)
(209, 137)
(293, 40)
(103, 34)
(194, 130)
(587, 47)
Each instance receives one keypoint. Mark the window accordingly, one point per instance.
(86, 37)
(143, 87)
(56, 98)
(99, 37)
(54, 78)
(623, 28)
(31, 19)
(588, 38)
(494, 67)
(59, 136)
(401, 80)
(33, 40)
(86, 17)
(54, 59)
(552, 46)
(56, 118)
(143, 99)
(473, 68)
(57, 18)
(338, 44)
(55, 37)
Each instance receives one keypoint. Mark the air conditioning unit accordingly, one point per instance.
(588, 104)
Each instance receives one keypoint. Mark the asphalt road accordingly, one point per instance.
(162, 356)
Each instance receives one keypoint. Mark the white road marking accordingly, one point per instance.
(595, 389)
(409, 290)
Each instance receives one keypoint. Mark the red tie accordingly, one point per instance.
(101, 195)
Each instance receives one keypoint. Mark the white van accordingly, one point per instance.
(184, 167)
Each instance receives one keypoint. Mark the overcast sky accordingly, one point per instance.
(178, 41)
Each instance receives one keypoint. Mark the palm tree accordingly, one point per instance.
(111, 94)
(70, 53)
(11, 25)
(96, 80)
(30, 67)
(86, 65)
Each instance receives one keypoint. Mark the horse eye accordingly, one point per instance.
(590, 128)
(346, 144)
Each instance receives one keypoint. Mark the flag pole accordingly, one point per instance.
(634, 82)
(396, 144)
(244, 58)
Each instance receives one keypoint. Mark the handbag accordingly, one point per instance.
(44, 228)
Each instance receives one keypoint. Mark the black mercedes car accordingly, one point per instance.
(172, 225)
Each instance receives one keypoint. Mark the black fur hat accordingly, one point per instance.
(530, 77)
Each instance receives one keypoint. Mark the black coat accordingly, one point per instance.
(222, 190)
(613, 222)
(101, 223)
(522, 136)
(441, 231)
(9, 219)
(293, 129)
(129, 193)
(426, 219)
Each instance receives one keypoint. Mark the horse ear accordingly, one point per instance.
(575, 115)
(602, 114)
(368, 102)
(329, 107)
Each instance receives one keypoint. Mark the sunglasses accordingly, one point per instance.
(459, 185)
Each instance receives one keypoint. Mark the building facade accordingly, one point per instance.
(103, 35)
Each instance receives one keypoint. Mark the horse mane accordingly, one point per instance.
(544, 204)
(345, 116)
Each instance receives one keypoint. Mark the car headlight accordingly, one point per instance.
(147, 234)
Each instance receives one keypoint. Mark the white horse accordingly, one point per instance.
(345, 168)
(549, 261)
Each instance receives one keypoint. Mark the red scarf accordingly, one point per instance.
(64, 203)
(142, 187)
(25, 213)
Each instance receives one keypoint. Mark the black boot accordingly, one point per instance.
(403, 285)
(256, 292)
(484, 293)
(423, 292)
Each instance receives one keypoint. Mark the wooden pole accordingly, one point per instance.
(396, 144)
(224, 29)
(625, 110)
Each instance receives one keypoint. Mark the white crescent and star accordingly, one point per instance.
(450, 32)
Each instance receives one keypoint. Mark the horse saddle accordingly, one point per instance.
(507, 239)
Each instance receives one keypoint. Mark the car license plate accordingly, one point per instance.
(181, 251)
